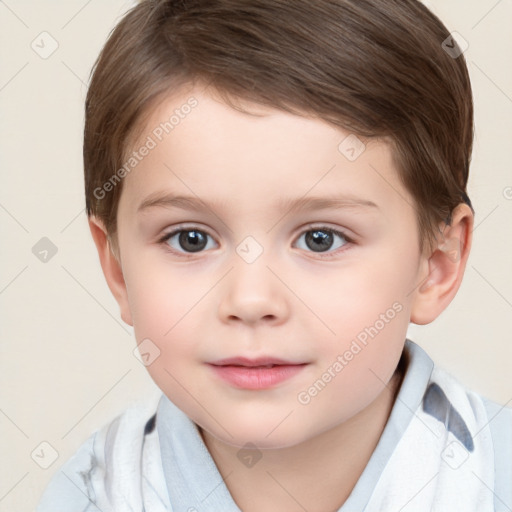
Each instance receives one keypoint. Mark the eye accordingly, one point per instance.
(321, 239)
(183, 241)
(191, 240)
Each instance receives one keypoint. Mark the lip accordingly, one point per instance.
(259, 373)
(258, 361)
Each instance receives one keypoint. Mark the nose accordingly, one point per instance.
(252, 294)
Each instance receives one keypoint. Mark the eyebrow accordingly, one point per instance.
(166, 200)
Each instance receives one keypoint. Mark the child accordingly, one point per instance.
(223, 141)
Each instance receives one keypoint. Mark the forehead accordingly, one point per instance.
(199, 146)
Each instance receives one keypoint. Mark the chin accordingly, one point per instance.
(261, 435)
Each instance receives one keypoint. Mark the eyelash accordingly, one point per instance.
(165, 238)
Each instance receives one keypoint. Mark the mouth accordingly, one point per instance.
(253, 363)
(255, 374)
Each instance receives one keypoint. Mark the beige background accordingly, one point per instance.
(67, 365)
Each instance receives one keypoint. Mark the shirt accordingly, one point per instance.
(443, 448)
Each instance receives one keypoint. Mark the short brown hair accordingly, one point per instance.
(377, 68)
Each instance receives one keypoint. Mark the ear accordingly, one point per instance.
(444, 268)
(111, 265)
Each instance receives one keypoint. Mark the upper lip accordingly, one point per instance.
(259, 361)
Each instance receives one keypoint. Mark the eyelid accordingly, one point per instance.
(347, 234)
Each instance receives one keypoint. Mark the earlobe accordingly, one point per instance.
(443, 270)
(111, 267)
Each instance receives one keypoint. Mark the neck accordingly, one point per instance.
(316, 475)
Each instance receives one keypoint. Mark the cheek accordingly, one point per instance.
(356, 367)
(362, 296)
(164, 304)
(163, 311)
(367, 313)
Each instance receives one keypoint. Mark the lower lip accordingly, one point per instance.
(247, 377)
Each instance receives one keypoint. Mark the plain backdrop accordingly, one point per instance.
(67, 363)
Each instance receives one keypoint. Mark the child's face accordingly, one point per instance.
(291, 302)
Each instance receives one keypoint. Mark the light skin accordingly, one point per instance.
(290, 302)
